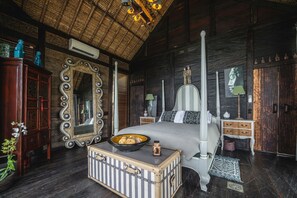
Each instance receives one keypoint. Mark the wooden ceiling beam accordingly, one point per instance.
(112, 18)
(59, 18)
(271, 4)
(276, 6)
(41, 19)
(101, 21)
(115, 49)
(111, 41)
(112, 22)
(87, 22)
(75, 17)
(132, 50)
(129, 43)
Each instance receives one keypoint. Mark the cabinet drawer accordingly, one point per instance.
(149, 120)
(243, 132)
(231, 124)
(231, 131)
(244, 125)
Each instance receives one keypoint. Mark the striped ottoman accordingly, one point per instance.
(136, 174)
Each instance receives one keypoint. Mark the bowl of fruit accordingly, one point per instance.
(129, 142)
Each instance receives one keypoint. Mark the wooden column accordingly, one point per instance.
(116, 107)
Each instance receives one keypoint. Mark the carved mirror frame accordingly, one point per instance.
(67, 111)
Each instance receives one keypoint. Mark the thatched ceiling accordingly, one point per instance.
(104, 24)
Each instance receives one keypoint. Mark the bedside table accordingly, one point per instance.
(240, 129)
(147, 120)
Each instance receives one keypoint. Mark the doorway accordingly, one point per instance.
(274, 108)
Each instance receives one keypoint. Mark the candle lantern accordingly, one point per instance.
(156, 148)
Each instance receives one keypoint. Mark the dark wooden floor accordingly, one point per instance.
(264, 175)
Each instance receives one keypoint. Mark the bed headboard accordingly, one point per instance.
(187, 99)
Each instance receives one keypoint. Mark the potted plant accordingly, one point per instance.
(8, 173)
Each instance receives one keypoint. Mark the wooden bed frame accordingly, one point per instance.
(201, 162)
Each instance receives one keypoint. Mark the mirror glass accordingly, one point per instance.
(81, 103)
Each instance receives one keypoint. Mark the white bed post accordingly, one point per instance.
(218, 106)
(203, 118)
(203, 162)
(116, 108)
(163, 96)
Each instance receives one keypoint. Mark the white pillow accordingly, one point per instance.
(179, 117)
(160, 120)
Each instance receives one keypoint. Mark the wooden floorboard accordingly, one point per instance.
(65, 175)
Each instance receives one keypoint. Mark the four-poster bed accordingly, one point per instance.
(198, 142)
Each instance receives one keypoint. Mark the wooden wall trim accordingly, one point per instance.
(187, 21)
(212, 14)
(5, 31)
(41, 42)
(249, 72)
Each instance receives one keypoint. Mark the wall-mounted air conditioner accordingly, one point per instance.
(82, 48)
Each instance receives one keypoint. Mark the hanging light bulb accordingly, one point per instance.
(126, 2)
(136, 17)
(151, 1)
(157, 5)
(130, 10)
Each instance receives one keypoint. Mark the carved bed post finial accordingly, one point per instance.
(116, 109)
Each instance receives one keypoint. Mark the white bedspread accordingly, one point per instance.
(184, 137)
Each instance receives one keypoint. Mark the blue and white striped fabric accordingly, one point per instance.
(187, 99)
(111, 174)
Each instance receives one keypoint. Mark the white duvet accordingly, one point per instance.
(184, 137)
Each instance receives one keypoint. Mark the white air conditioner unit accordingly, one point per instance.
(82, 48)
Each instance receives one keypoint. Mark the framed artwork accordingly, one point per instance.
(233, 77)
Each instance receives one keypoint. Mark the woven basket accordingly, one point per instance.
(229, 145)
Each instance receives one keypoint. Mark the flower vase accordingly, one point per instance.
(8, 181)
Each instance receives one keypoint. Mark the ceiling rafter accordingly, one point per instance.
(101, 21)
(110, 16)
(118, 30)
(75, 17)
(59, 18)
(129, 42)
(41, 19)
(87, 22)
(112, 22)
(115, 49)
(129, 53)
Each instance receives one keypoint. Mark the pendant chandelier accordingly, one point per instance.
(142, 9)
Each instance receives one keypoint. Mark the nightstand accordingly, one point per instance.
(241, 129)
(147, 120)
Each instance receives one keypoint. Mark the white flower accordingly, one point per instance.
(16, 135)
(16, 130)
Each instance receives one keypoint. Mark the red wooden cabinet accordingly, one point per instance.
(25, 97)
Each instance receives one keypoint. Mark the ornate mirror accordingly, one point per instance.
(81, 103)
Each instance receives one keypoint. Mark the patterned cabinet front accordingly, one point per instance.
(129, 177)
(37, 94)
